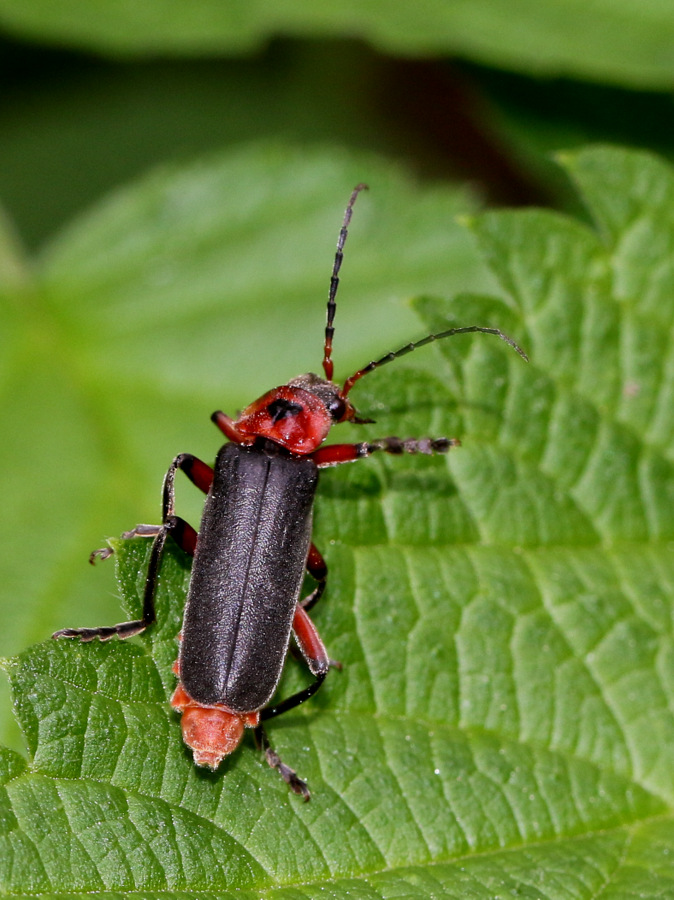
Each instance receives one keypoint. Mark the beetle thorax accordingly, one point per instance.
(297, 415)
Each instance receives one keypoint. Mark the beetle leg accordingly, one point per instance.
(318, 570)
(180, 530)
(294, 700)
(334, 454)
(186, 537)
(316, 657)
(289, 775)
(199, 474)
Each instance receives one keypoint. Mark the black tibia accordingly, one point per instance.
(198, 472)
(182, 533)
(291, 702)
(185, 536)
(289, 775)
(318, 570)
(315, 655)
(316, 658)
(173, 526)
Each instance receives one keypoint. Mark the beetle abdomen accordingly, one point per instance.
(247, 575)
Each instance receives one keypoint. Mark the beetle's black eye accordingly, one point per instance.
(337, 408)
(281, 409)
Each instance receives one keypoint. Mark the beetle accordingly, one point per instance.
(252, 549)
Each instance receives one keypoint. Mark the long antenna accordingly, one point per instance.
(414, 345)
(334, 282)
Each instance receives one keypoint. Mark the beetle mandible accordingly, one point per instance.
(253, 547)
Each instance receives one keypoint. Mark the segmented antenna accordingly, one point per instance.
(414, 345)
(334, 282)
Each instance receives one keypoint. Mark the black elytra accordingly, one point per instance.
(246, 578)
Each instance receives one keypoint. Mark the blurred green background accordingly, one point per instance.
(82, 113)
(466, 101)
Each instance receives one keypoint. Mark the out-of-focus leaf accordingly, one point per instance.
(623, 41)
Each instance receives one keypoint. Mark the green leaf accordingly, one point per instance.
(503, 723)
(622, 41)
